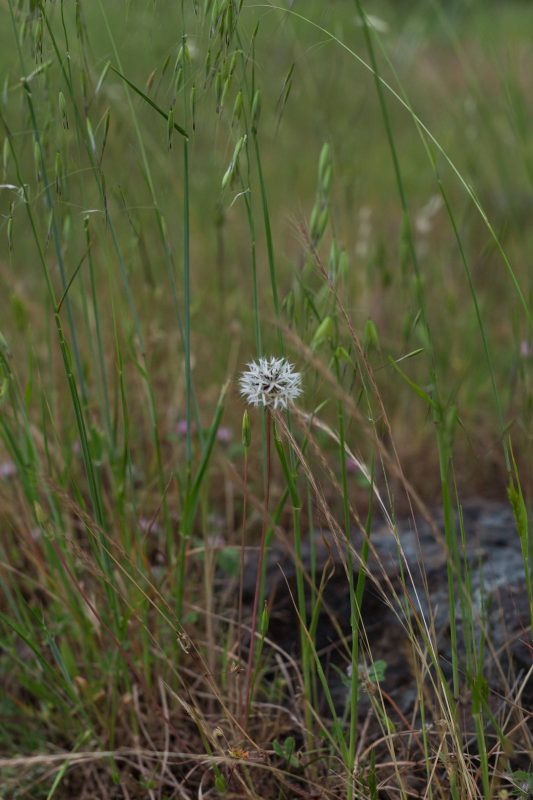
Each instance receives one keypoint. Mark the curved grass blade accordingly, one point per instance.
(150, 102)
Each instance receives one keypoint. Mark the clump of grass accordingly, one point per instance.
(141, 172)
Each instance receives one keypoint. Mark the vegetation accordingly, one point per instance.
(188, 186)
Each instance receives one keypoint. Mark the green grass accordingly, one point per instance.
(186, 186)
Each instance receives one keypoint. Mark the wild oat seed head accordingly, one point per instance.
(270, 382)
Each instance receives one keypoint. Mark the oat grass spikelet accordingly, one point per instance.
(270, 382)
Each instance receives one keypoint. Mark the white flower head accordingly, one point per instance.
(270, 382)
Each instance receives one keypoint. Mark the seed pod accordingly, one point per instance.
(343, 264)
(256, 110)
(63, 110)
(207, 67)
(166, 62)
(370, 336)
(313, 222)
(150, 81)
(323, 221)
(232, 63)
(324, 332)
(225, 89)
(319, 220)
(91, 135)
(179, 79)
(227, 21)
(341, 354)
(324, 161)
(246, 430)
(103, 74)
(263, 625)
(230, 172)
(333, 260)
(325, 183)
(237, 108)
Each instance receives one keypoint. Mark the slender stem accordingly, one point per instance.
(355, 601)
(187, 303)
(443, 435)
(241, 576)
(249, 667)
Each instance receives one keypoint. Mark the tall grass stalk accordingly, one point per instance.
(246, 442)
(305, 652)
(469, 190)
(250, 665)
(94, 484)
(441, 419)
(355, 595)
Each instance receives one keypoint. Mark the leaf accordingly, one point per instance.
(278, 749)
(324, 332)
(286, 751)
(376, 671)
(414, 386)
(150, 102)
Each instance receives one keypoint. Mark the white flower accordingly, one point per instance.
(270, 382)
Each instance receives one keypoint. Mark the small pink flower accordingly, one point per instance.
(7, 469)
(183, 426)
(526, 351)
(352, 466)
(224, 434)
(148, 525)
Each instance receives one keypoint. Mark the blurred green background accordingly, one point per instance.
(465, 68)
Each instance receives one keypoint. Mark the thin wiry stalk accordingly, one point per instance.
(187, 302)
(250, 664)
(240, 695)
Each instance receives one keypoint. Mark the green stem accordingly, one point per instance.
(187, 304)
(250, 665)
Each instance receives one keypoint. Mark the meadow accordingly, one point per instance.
(189, 584)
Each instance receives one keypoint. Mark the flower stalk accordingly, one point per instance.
(251, 652)
(270, 383)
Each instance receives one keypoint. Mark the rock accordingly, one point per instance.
(496, 599)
